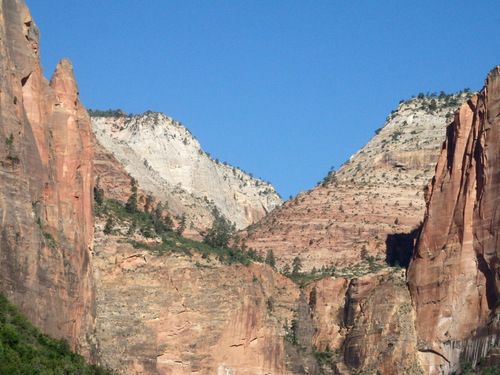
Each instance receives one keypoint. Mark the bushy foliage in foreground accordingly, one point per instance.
(24, 350)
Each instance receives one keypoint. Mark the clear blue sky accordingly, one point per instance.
(282, 89)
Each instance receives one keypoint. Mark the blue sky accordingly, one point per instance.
(282, 89)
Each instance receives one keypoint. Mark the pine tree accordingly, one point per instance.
(296, 266)
(270, 259)
(221, 231)
(109, 226)
(131, 205)
(182, 225)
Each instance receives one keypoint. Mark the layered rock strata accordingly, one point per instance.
(372, 204)
(168, 162)
(455, 269)
(46, 222)
(175, 314)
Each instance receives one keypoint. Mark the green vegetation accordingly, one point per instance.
(467, 369)
(291, 332)
(155, 224)
(108, 113)
(305, 278)
(219, 235)
(432, 101)
(9, 141)
(24, 350)
(131, 204)
(324, 359)
(270, 259)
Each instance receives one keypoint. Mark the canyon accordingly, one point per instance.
(398, 248)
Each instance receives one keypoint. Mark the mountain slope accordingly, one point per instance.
(371, 206)
(168, 162)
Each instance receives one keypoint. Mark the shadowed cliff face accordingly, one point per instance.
(46, 224)
(455, 270)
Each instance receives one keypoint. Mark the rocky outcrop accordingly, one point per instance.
(455, 269)
(168, 163)
(382, 335)
(46, 222)
(372, 204)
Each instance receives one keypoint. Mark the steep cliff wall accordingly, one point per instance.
(174, 314)
(168, 162)
(46, 179)
(455, 269)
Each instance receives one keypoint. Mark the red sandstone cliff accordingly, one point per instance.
(455, 270)
(46, 178)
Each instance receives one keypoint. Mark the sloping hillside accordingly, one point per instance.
(168, 162)
(372, 206)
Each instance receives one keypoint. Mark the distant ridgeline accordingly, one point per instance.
(444, 100)
(109, 113)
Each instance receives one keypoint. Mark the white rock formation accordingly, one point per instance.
(168, 162)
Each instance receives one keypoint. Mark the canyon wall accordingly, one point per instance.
(178, 314)
(46, 221)
(455, 269)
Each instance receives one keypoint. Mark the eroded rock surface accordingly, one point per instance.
(455, 270)
(372, 204)
(46, 222)
(168, 162)
(177, 315)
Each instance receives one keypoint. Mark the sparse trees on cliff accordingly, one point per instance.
(296, 266)
(312, 298)
(182, 224)
(98, 193)
(221, 231)
(109, 226)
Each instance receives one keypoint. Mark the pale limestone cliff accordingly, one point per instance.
(46, 179)
(168, 162)
(455, 269)
(405, 150)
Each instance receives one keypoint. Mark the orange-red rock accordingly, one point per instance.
(46, 178)
(455, 269)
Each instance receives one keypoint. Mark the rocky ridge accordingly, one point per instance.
(372, 205)
(168, 162)
(46, 220)
(405, 150)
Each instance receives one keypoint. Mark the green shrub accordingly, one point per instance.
(24, 350)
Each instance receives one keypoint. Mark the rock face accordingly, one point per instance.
(168, 162)
(455, 269)
(178, 315)
(373, 203)
(46, 177)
